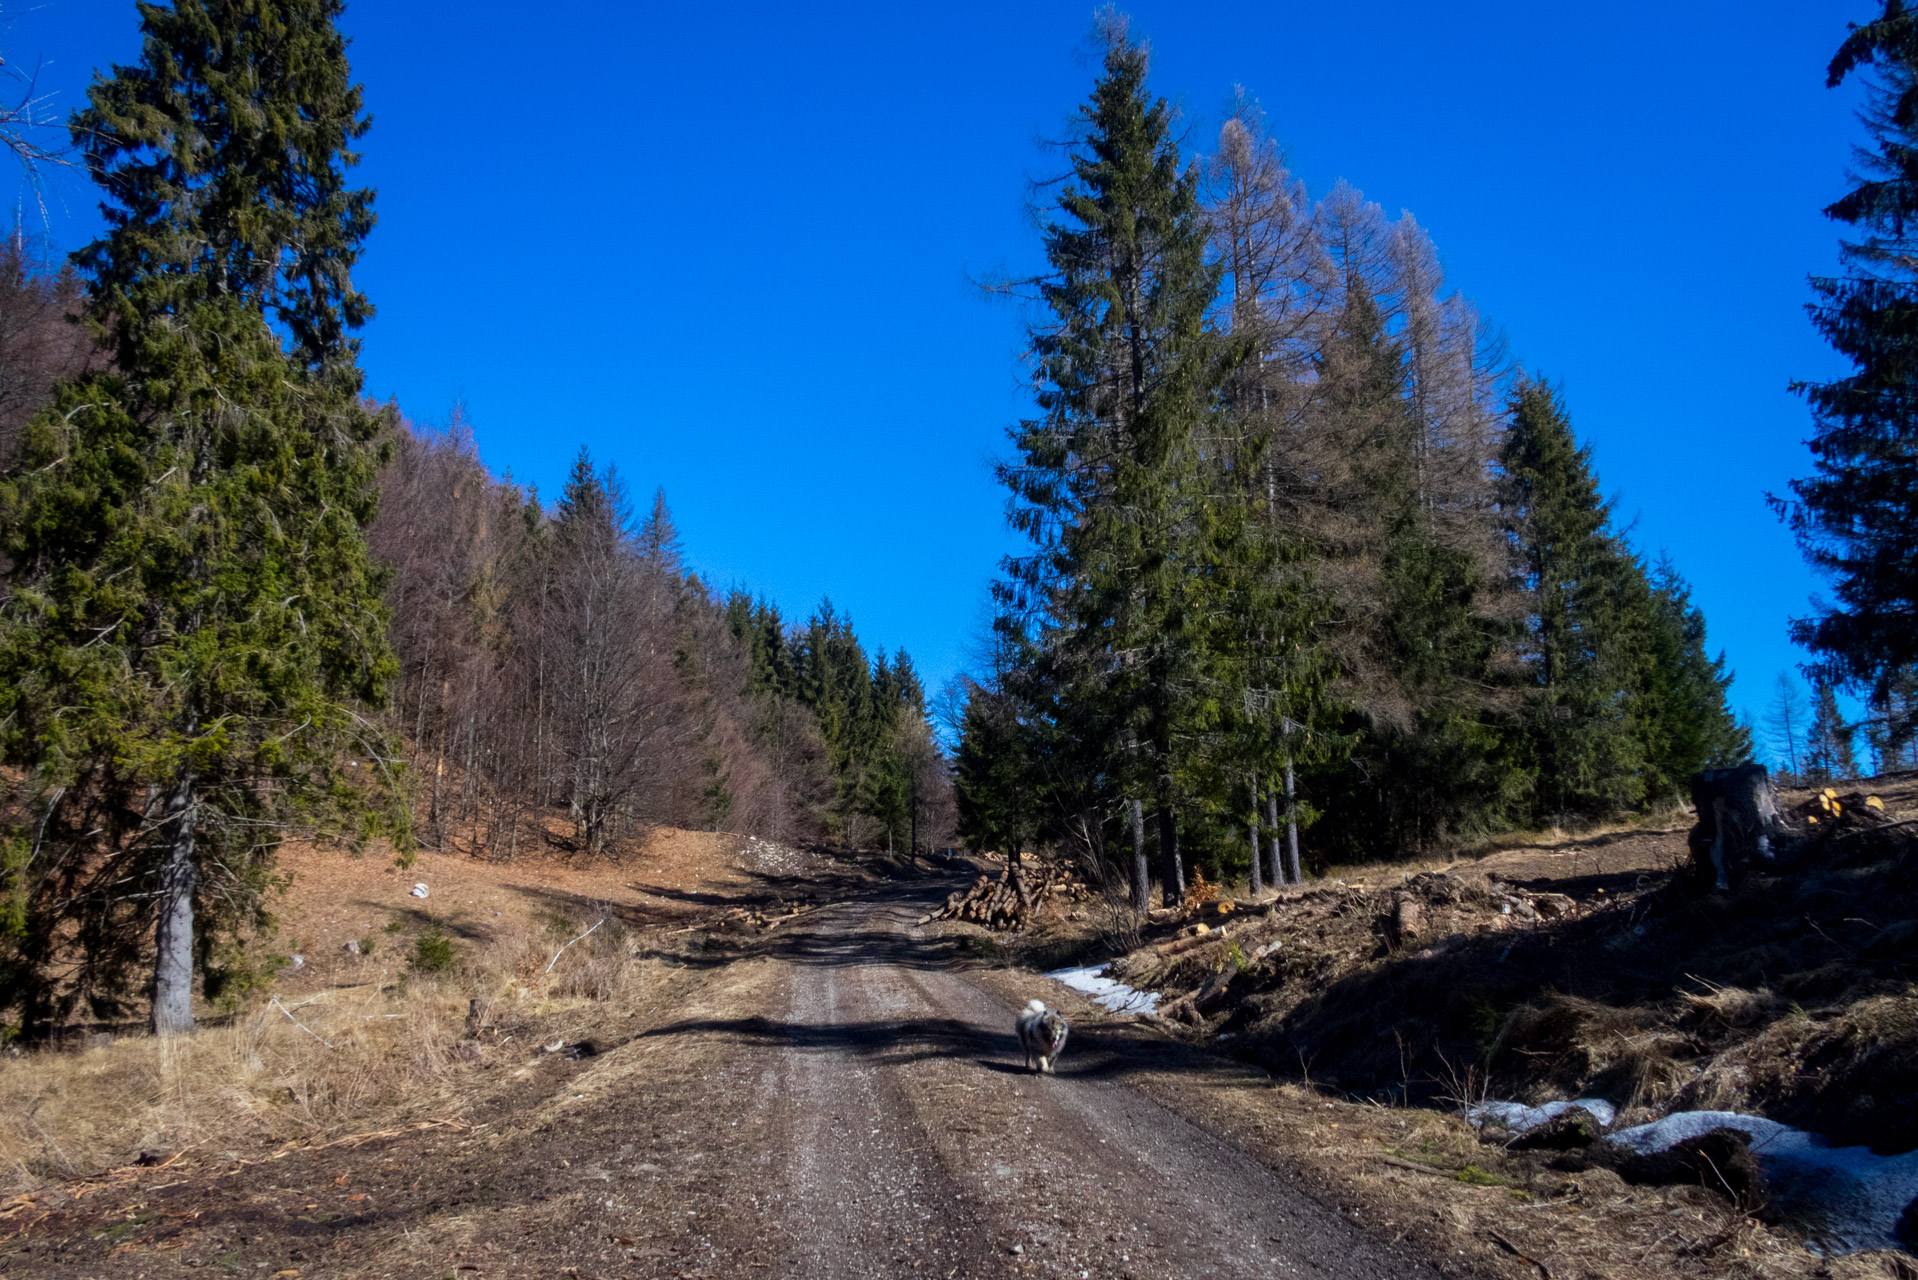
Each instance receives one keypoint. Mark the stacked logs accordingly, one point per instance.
(1832, 813)
(1010, 902)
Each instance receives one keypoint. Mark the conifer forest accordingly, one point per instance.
(1311, 570)
(1254, 790)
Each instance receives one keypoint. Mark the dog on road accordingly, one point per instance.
(1042, 1034)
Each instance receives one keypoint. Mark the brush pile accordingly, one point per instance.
(737, 920)
(1305, 937)
(1590, 970)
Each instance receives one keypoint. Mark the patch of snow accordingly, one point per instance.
(1848, 1198)
(1110, 992)
(1518, 1117)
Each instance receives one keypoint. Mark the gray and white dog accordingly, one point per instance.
(1042, 1034)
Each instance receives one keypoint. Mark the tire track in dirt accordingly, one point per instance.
(863, 1192)
(920, 1144)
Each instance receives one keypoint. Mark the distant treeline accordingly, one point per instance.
(241, 602)
(1291, 510)
(561, 661)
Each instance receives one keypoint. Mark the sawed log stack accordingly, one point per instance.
(1010, 902)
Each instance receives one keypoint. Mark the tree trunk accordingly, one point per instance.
(1274, 849)
(1291, 828)
(173, 934)
(1170, 865)
(434, 816)
(1252, 829)
(1141, 874)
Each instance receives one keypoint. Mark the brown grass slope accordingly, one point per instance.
(1528, 975)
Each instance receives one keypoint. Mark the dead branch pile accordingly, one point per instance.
(1200, 891)
(738, 919)
(1010, 902)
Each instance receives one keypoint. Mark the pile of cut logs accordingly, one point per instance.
(1832, 813)
(1010, 902)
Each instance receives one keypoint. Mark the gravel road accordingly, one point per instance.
(848, 1102)
(906, 1138)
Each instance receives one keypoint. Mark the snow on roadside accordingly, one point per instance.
(1518, 1117)
(1851, 1198)
(1113, 994)
(1847, 1198)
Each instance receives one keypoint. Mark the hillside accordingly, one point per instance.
(1592, 967)
(753, 1024)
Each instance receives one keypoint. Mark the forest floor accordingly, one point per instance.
(758, 1064)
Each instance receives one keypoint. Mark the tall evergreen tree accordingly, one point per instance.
(996, 774)
(1856, 516)
(1413, 637)
(1683, 711)
(193, 615)
(1584, 654)
(1105, 483)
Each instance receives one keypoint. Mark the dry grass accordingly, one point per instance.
(352, 1042)
(384, 1053)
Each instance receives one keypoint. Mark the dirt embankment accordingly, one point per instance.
(1575, 967)
(1600, 968)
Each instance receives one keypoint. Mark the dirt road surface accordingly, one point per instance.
(851, 1102)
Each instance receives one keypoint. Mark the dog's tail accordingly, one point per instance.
(1036, 1006)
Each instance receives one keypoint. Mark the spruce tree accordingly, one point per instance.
(1584, 654)
(1683, 713)
(1412, 636)
(1106, 481)
(193, 615)
(997, 774)
(1856, 516)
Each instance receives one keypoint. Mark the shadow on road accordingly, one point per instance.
(1094, 1053)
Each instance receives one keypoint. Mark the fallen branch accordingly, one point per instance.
(301, 1025)
(562, 950)
(1414, 1166)
(1180, 945)
(1521, 1255)
(359, 1139)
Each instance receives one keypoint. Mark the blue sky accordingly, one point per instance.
(727, 247)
